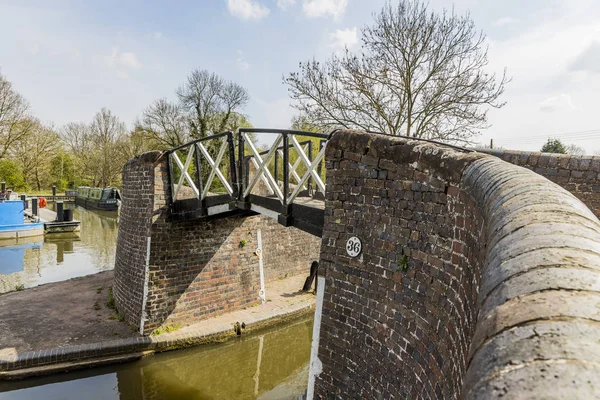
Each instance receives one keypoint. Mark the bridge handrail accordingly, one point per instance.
(234, 179)
(206, 138)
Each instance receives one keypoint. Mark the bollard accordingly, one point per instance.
(68, 215)
(53, 190)
(34, 206)
(24, 200)
(3, 186)
(60, 216)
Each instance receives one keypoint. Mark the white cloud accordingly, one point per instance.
(158, 35)
(588, 60)
(285, 4)
(343, 38)
(122, 62)
(322, 8)
(247, 9)
(241, 61)
(505, 21)
(554, 103)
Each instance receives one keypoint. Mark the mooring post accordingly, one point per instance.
(34, 206)
(53, 192)
(24, 200)
(60, 215)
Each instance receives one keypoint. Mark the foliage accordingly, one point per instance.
(165, 329)
(554, 146)
(34, 155)
(14, 117)
(418, 74)
(11, 173)
(110, 300)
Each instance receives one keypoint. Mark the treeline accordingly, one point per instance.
(36, 155)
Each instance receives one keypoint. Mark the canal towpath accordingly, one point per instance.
(68, 325)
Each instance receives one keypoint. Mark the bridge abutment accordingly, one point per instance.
(477, 278)
(179, 272)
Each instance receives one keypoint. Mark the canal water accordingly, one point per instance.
(34, 261)
(272, 364)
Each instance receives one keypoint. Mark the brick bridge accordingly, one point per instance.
(477, 278)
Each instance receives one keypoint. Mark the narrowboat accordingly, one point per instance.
(15, 224)
(105, 199)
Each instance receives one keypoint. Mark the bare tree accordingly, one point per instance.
(107, 133)
(575, 149)
(98, 148)
(419, 74)
(14, 120)
(210, 101)
(77, 138)
(165, 123)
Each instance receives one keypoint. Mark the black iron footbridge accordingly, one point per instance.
(277, 173)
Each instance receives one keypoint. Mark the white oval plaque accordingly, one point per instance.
(353, 246)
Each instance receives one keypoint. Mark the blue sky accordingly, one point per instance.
(70, 58)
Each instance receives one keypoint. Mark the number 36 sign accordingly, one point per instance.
(353, 246)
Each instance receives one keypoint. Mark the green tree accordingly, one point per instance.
(11, 173)
(554, 146)
(34, 152)
(62, 170)
(15, 123)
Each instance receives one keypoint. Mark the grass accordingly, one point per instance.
(99, 290)
(20, 287)
(110, 301)
(165, 329)
(96, 306)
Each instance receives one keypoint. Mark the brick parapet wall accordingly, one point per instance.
(199, 268)
(580, 175)
(477, 277)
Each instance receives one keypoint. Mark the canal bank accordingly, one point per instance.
(68, 325)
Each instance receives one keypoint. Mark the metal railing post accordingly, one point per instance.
(286, 169)
(199, 175)
(310, 158)
(241, 164)
(276, 169)
(232, 173)
(171, 182)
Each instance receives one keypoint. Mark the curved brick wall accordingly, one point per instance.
(478, 278)
(577, 174)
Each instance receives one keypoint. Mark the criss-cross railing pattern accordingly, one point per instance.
(222, 172)
(205, 177)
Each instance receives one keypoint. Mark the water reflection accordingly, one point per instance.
(270, 365)
(33, 261)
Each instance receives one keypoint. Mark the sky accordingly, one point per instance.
(70, 58)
